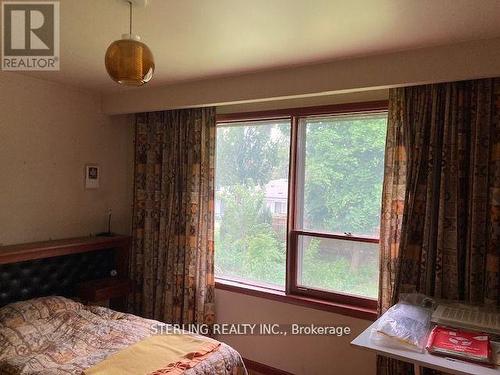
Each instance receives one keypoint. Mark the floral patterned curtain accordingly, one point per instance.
(172, 257)
(440, 232)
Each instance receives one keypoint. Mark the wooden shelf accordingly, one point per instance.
(53, 248)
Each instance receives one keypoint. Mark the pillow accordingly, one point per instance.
(16, 313)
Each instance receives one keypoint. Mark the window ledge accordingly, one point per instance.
(313, 303)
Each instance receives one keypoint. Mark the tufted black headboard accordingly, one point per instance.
(56, 267)
(52, 276)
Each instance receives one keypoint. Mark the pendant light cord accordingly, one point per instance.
(130, 6)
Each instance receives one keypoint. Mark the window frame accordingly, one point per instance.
(343, 303)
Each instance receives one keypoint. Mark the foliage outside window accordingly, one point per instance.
(250, 238)
(331, 234)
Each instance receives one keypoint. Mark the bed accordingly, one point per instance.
(55, 335)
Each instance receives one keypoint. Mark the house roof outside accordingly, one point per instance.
(277, 189)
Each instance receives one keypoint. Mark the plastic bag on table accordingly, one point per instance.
(405, 325)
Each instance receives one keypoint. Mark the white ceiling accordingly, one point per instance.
(198, 39)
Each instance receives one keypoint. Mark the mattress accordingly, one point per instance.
(56, 336)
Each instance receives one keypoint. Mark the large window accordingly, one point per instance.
(298, 202)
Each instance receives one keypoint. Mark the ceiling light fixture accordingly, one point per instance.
(129, 61)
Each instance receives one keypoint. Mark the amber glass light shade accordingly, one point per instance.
(129, 61)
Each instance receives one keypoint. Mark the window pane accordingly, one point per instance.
(251, 202)
(341, 266)
(342, 172)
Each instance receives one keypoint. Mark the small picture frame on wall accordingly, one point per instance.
(92, 175)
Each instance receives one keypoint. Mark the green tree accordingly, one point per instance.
(246, 243)
(344, 169)
(249, 154)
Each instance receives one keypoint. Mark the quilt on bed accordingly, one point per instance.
(56, 336)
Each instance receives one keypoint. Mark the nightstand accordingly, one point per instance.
(111, 289)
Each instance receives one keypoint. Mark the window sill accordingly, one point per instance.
(276, 295)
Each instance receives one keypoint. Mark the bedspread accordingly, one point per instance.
(56, 336)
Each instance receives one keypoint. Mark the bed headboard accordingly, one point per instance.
(56, 267)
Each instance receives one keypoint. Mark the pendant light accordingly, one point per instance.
(128, 60)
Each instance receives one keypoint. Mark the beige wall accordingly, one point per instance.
(47, 134)
(300, 355)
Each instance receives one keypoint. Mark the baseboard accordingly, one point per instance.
(264, 369)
